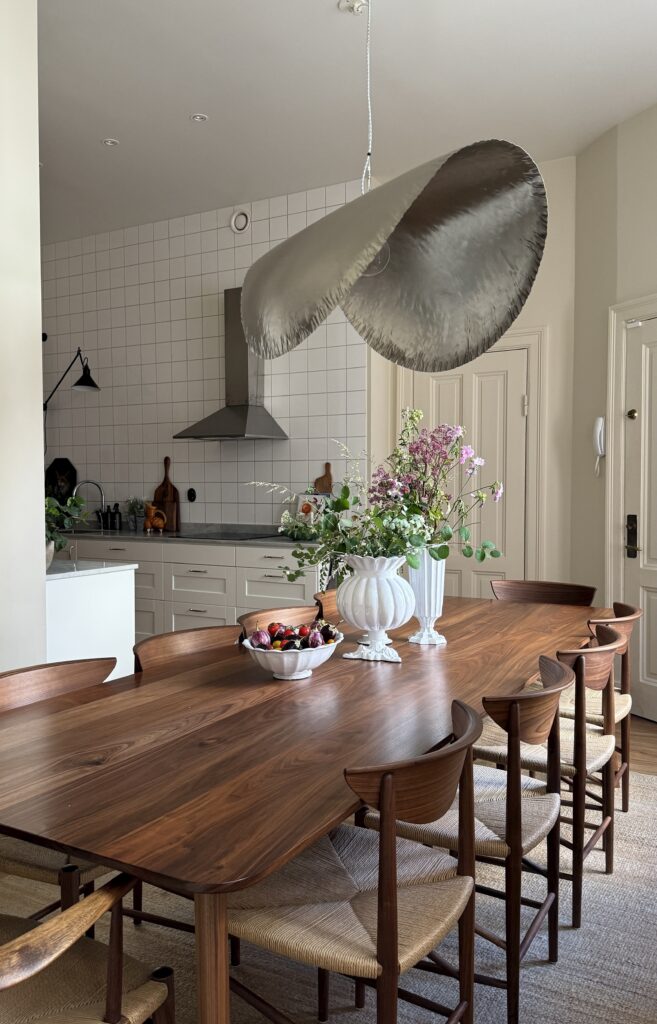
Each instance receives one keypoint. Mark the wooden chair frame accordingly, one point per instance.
(251, 621)
(624, 620)
(542, 592)
(35, 950)
(164, 647)
(327, 604)
(22, 687)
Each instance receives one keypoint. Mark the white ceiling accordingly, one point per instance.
(283, 84)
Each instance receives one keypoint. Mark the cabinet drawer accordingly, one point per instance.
(149, 618)
(149, 581)
(199, 554)
(194, 615)
(265, 557)
(191, 582)
(118, 550)
(269, 588)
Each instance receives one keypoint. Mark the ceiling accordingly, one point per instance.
(282, 82)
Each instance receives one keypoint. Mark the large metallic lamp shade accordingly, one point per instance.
(460, 240)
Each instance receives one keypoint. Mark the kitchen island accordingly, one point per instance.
(90, 611)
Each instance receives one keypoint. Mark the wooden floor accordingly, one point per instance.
(644, 746)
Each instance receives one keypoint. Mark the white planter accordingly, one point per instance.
(375, 598)
(428, 586)
(50, 553)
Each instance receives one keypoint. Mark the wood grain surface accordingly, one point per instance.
(206, 774)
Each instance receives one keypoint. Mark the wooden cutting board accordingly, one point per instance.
(167, 499)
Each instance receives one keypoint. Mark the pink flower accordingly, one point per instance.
(467, 452)
(498, 490)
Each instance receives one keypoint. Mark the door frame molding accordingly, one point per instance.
(619, 315)
(535, 340)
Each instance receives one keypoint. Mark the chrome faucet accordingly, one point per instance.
(95, 483)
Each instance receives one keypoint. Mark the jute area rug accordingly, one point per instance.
(607, 970)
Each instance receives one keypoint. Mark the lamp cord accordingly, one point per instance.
(366, 180)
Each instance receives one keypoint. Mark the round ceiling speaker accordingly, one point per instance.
(240, 221)
(430, 268)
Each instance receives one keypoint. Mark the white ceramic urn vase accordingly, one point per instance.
(375, 598)
(428, 586)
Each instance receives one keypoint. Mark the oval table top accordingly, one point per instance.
(207, 775)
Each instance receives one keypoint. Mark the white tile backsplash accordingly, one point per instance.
(145, 305)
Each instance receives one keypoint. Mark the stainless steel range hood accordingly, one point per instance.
(244, 414)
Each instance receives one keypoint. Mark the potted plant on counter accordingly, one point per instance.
(61, 517)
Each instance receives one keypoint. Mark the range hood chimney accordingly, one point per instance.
(244, 414)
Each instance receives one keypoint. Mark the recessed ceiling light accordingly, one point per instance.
(110, 142)
(198, 117)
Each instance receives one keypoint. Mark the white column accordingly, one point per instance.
(22, 565)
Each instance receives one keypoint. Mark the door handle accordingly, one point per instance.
(632, 531)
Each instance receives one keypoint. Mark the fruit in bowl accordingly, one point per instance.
(292, 652)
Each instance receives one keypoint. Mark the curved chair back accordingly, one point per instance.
(250, 621)
(530, 713)
(597, 657)
(542, 592)
(328, 606)
(40, 682)
(160, 650)
(624, 620)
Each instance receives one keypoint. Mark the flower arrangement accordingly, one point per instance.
(421, 477)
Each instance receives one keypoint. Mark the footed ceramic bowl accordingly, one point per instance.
(293, 664)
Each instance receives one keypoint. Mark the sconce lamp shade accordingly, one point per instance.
(86, 381)
(430, 268)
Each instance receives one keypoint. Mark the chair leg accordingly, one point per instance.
(235, 951)
(138, 901)
(166, 1014)
(386, 997)
(359, 994)
(513, 881)
(608, 801)
(553, 856)
(466, 959)
(323, 980)
(87, 890)
(626, 729)
(579, 810)
(69, 886)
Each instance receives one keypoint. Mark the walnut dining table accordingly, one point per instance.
(205, 776)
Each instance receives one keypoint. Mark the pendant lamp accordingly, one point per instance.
(431, 268)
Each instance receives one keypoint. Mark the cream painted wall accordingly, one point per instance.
(616, 261)
(550, 306)
(22, 595)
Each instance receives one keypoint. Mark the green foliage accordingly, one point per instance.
(63, 517)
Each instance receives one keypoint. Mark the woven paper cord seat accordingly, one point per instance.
(321, 908)
(72, 990)
(492, 746)
(539, 813)
(27, 860)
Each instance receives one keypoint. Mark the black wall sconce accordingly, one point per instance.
(84, 383)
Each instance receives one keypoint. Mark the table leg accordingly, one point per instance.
(212, 958)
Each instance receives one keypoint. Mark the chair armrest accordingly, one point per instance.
(30, 953)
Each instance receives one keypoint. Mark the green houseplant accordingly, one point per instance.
(61, 517)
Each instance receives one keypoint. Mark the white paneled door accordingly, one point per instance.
(489, 398)
(640, 584)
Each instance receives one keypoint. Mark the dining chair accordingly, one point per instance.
(372, 906)
(298, 616)
(49, 972)
(327, 604)
(163, 648)
(584, 751)
(513, 815)
(542, 592)
(22, 859)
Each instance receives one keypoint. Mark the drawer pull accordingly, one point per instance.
(117, 549)
(271, 556)
(198, 570)
(273, 576)
(198, 611)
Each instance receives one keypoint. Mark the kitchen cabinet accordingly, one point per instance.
(187, 585)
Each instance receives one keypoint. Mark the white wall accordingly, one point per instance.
(22, 596)
(146, 306)
(616, 261)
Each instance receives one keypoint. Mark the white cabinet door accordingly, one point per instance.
(194, 615)
(270, 588)
(149, 618)
(486, 396)
(640, 584)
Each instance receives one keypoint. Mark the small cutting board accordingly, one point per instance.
(167, 499)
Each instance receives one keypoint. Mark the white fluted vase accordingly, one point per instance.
(428, 586)
(375, 598)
